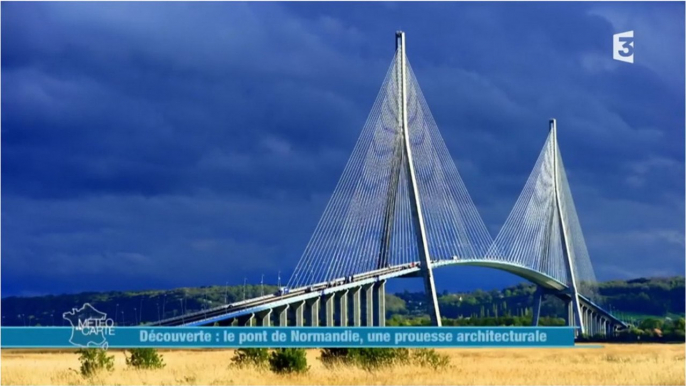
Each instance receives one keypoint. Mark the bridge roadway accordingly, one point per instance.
(545, 283)
(250, 306)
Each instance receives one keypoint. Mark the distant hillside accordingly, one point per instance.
(126, 308)
(637, 298)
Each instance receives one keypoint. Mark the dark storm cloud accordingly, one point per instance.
(167, 144)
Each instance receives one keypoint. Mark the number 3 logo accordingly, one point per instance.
(623, 47)
(628, 47)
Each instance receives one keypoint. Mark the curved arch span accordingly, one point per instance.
(527, 273)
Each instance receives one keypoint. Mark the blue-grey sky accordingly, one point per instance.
(158, 145)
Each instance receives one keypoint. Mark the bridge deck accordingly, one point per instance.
(296, 295)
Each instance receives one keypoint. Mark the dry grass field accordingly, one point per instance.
(611, 365)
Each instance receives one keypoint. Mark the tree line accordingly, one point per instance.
(632, 300)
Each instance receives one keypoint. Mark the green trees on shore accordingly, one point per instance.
(633, 300)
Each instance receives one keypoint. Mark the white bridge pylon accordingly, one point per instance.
(401, 200)
(543, 233)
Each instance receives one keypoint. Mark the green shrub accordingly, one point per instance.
(144, 358)
(365, 358)
(430, 358)
(288, 360)
(374, 358)
(334, 356)
(93, 360)
(251, 357)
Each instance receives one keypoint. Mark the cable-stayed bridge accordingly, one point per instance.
(401, 209)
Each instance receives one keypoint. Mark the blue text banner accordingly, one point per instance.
(306, 337)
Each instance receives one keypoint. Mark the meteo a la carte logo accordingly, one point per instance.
(89, 327)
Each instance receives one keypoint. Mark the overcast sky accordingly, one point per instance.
(157, 145)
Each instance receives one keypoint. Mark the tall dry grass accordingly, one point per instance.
(611, 365)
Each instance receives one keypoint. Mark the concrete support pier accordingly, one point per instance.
(343, 312)
(312, 307)
(368, 305)
(357, 306)
(265, 318)
(380, 298)
(299, 312)
(538, 300)
(329, 306)
(246, 320)
(282, 315)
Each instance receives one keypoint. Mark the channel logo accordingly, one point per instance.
(623, 46)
